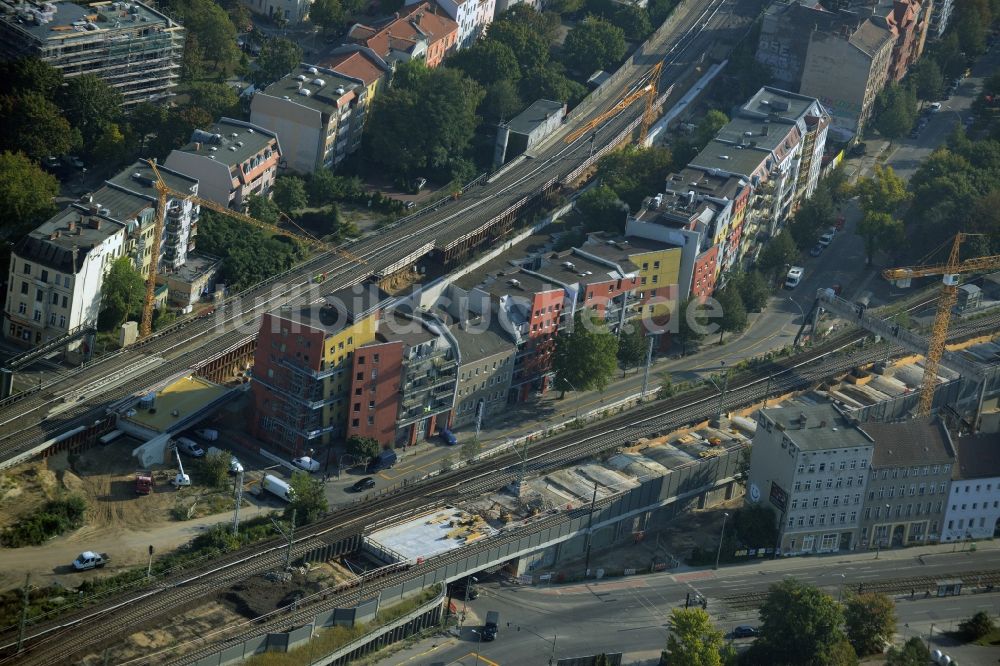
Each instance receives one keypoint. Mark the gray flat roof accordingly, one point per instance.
(729, 158)
(825, 427)
(770, 101)
(249, 140)
(411, 331)
(913, 442)
(140, 179)
(322, 97)
(61, 26)
(599, 272)
(477, 340)
(195, 266)
(536, 114)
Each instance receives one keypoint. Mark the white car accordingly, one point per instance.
(794, 277)
(306, 463)
(90, 560)
(235, 466)
(826, 238)
(936, 106)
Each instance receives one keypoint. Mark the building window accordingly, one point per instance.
(357, 406)
(371, 404)
(39, 296)
(355, 423)
(24, 288)
(360, 377)
(21, 308)
(62, 321)
(52, 319)
(371, 420)
(361, 360)
(38, 315)
(27, 269)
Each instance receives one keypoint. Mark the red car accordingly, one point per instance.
(839, 224)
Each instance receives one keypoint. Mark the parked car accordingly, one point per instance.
(915, 132)
(361, 485)
(744, 631)
(816, 250)
(794, 277)
(90, 560)
(826, 238)
(419, 183)
(190, 447)
(448, 437)
(306, 463)
(859, 149)
(464, 588)
(52, 164)
(208, 434)
(936, 106)
(409, 204)
(235, 466)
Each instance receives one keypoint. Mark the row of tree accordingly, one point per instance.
(945, 60)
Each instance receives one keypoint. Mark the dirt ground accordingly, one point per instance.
(118, 521)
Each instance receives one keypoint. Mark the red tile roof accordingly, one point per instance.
(419, 22)
(355, 65)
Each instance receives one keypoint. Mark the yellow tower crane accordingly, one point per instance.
(164, 192)
(647, 91)
(951, 271)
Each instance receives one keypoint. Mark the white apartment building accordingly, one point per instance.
(472, 17)
(317, 113)
(232, 160)
(973, 510)
(57, 271)
(809, 463)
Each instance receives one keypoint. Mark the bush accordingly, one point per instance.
(52, 519)
(976, 626)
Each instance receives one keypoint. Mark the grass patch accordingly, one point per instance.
(54, 518)
(991, 639)
(328, 640)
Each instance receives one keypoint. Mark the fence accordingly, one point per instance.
(422, 617)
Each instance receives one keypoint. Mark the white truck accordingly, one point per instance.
(90, 560)
(276, 486)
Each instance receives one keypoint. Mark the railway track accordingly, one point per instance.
(751, 601)
(128, 612)
(29, 421)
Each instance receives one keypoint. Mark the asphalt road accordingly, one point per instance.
(630, 615)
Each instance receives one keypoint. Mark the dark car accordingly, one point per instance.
(464, 588)
(859, 149)
(744, 631)
(366, 483)
(816, 250)
(449, 437)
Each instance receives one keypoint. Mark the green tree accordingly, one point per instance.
(881, 231)
(487, 62)
(362, 447)
(814, 215)
(35, 126)
(755, 525)
(793, 608)
(883, 192)
(688, 322)
(277, 58)
(26, 194)
(501, 102)
(328, 14)
(928, 79)
(709, 127)
(90, 105)
(660, 10)
(896, 111)
(122, 293)
(529, 37)
(913, 653)
(290, 193)
(110, 148)
(215, 468)
(777, 253)
(145, 119)
(446, 101)
(551, 82)
(565, 6)
(263, 209)
(754, 291)
(601, 209)
(634, 22)
(632, 346)
(308, 498)
(734, 313)
(249, 255)
(635, 172)
(217, 99)
(592, 45)
(585, 357)
(694, 640)
(209, 36)
(870, 620)
(29, 75)
(471, 448)
(976, 626)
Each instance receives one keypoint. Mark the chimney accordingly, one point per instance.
(95, 223)
(197, 146)
(72, 225)
(803, 419)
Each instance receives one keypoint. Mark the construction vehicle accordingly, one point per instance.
(182, 479)
(143, 482)
(164, 192)
(951, 272)
(647, 90)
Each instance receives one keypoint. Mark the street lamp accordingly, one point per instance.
(722, 535)
(479, 633)
(722, 393)
(796, 304)
(878, 541)
(840, 588)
